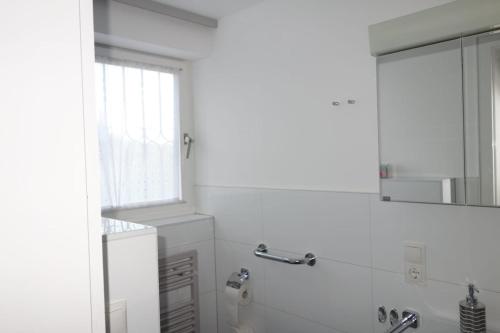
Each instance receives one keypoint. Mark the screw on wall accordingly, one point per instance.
(349, 101)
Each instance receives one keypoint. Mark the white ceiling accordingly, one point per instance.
(211, 8)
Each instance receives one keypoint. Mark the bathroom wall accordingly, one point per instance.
(263, 103)
(359, 241)
(276, 163)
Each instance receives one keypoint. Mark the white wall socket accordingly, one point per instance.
(415, 263)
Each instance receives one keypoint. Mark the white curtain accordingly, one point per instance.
(138, 134)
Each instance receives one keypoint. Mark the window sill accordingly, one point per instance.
(192, 218)
(150, 213)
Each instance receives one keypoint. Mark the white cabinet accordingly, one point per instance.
(131, 274)
(50, 254)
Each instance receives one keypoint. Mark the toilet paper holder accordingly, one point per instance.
(236, 280)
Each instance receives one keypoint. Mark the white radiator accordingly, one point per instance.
(179, 306)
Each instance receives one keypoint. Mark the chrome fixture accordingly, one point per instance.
(382, 315)
(236, 280)
(472, 313)
(411, 319)
(393, 317)
(335, 103)
(261, 252)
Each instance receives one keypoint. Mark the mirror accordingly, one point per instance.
(481, 73)
(421, 124)
(439, 122)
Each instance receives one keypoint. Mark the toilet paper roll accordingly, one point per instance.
(234, 298)
(243, 329)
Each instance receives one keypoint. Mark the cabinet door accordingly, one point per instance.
(46, 239)
(481, 54)
(421, 124)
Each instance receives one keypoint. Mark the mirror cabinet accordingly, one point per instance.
(439, 130)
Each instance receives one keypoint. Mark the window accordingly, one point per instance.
(139, 133)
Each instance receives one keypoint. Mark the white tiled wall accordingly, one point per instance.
(194, 233)
(359, 241)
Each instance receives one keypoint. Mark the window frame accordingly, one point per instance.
(156, 210)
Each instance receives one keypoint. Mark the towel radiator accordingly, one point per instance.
(179, 304)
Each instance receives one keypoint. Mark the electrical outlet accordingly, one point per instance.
(415, 263)
(415, 274)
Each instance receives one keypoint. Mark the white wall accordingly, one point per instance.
(263, 98)
(125, 26)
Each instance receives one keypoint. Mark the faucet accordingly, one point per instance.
(410, 319)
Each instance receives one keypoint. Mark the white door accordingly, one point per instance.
(49, 266)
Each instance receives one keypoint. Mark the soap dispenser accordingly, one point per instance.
(472, 313)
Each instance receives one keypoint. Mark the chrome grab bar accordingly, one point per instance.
(262, 252)
(410, 319)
